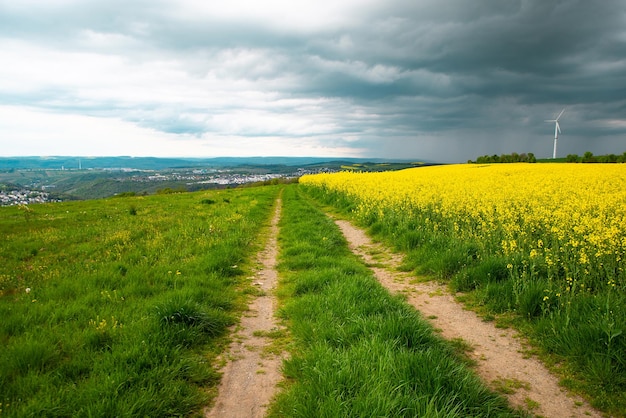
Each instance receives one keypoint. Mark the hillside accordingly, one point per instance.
(68, 178)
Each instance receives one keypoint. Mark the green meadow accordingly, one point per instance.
(118, 307)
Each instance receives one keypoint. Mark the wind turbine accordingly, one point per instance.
(557, 131)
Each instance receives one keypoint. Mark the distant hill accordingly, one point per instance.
(153, 163)
(91, 178)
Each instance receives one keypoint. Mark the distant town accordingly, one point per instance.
(209, 176)
(29, 180)
(24, 197)
(44, 186)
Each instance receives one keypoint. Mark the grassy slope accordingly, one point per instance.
(358, 351)
(117, 307)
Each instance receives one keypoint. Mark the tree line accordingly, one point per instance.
(505, 158)
(587, 157)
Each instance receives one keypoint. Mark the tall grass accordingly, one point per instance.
(358, 351)
(118, 307)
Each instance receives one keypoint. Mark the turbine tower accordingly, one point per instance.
(557, 131)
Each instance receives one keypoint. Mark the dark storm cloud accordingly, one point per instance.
(442, 80)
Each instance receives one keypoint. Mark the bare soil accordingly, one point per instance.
(502, 361)
(251, 372)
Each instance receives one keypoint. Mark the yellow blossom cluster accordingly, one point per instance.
(568, 216)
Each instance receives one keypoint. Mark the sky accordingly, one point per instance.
(427, 80)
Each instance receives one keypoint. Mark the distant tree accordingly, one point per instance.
(588, 157)
(125, 194)
(169, 190)
(514, 157)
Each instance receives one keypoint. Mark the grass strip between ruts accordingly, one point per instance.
(358, 351)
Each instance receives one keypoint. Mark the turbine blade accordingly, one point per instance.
(558, 127)
(557, 118)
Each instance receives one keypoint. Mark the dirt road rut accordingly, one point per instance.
(500, 357)
(250, 375)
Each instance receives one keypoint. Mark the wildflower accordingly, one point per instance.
(27, 290)
(583, 258)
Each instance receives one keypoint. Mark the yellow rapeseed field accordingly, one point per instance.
(568, 217)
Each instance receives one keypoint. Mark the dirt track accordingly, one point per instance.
(500, 357)
(250, 375)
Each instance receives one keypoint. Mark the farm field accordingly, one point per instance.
(539, 244)
(119, 307)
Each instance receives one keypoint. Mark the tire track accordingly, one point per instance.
(499, 354)
(251, 374)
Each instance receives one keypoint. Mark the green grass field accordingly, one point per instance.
(118, 307)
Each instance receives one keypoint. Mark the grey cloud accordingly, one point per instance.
(459, 77)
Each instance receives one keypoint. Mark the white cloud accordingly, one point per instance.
(280, 15)
(377, 73)
(26, 131)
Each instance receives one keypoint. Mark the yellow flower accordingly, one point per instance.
(574, 214)
(583, 259)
